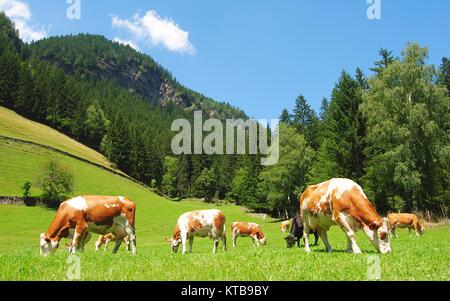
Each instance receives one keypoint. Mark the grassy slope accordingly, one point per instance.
(419, 259)
(16, 126)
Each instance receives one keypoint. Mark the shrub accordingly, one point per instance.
(56, 182)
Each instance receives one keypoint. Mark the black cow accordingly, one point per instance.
(296, 233)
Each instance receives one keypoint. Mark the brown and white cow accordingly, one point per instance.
(342, 202)
(202, 223)
(248, 229)
(98, 214)
(107, 238)
(405, 220)
(284, 226)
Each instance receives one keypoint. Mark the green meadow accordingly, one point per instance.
(425, 258)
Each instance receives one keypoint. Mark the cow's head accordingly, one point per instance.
(174, 244)
(47, 245)
(290, 240)
(421, 228)
(263, 240)
(379, 235)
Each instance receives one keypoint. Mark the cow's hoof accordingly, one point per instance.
(357, 252)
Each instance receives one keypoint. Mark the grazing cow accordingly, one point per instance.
(296, 233)
(106, 239)
(405, 220)
(342, 202)
(285, 226)
(200, 223)
(248, 229)
(98, 214)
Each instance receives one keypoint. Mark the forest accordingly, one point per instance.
(389, 131)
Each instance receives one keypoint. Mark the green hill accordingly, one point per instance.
(15, 126)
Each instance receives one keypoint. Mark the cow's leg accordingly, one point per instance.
(349, 246)
(324, 236)
(83, 240)
(98, 243)
(131, 237)
(223, 237)
(306, 230)
(183, 242)
(255, 240)
(393, 231)
(234, 238)
(316, 238)
(117, 244)
(342, 221)
(127, 242)
(409, 232)
(77, 236)
(416, 229)
(216, 244)
(191, 241)
(107, 241)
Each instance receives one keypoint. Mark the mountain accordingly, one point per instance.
(95, 57)
(114, 100)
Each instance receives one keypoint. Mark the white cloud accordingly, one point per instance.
(129, 43)
(157, 31)
(20, 13)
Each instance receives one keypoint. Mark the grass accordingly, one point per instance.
(427, 258)
(16, 126)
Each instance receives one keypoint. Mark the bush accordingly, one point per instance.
(26, 194)
(56, 183)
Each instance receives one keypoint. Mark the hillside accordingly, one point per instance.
(119, 102)
(15, 126)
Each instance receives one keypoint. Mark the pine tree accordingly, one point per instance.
(306, 121)
(325, 105)
(361, 79)
(344, 132)
(386, 59)
(285, 117)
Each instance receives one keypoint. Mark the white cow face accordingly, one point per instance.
(47, 246)
(175, 243)
(381, 240)
(263, 241)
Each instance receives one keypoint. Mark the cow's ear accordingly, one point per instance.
(168, 239)
(375, 225)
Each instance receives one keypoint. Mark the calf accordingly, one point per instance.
(248, 229)
(342, 202)
(98, 214)
(202, 223)
(106, 239)
(405, 220)
(296, 233)
(285, 226)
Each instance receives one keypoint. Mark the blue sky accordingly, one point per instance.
(260, 54)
